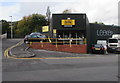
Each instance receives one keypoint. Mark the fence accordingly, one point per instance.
(60, 44)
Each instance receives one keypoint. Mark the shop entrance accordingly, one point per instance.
(73, 37)
(70, 34)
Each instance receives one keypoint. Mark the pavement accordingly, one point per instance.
(23, 51)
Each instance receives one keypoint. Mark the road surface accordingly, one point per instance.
(95, 68)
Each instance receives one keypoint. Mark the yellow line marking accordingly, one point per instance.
(52, 58)
(6, 53)
(66, 57)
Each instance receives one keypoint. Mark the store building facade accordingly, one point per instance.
(78, 26)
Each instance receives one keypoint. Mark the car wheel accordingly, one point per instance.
(26, 42)
(105, 52)
(92, 52)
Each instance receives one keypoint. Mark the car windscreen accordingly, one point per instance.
(40, 36)
(113, 41)
(33, 36)
(98, 45)
(35, 33)
(104, 43)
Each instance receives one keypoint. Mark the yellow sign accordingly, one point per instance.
(68, 22)
(45, 29)
(54, 31)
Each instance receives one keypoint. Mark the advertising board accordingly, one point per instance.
(67, 22)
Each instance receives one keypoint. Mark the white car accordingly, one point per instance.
(104, 44)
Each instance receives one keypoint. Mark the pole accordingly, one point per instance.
(63, 39)
(76, 38)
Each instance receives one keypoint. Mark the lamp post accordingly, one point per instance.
(11, 28)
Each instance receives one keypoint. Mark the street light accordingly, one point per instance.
(11, 28)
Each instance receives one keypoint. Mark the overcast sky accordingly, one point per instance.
(105, 11)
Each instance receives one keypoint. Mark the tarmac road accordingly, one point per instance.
(95, 68)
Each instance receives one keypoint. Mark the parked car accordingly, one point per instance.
(35, 33)
(99, 48)
(26, 38)
(118, 50)
(35, 37)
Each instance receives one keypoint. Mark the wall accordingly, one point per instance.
(3, 36)
(62, 48)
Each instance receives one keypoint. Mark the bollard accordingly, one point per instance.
(30, 43)
(41, 44)
(49, 39)
(70, 43)
(56, 42)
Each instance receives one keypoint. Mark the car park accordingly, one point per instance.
(98, 48)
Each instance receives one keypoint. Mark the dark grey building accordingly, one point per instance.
(69, 25)
(102, 32)
(78, 26)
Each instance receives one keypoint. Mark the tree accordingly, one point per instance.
(5, 26)
(67, 11)
(31, 23)
(99, 23)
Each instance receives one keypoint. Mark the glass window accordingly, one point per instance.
(34, 36)
(98, 45)
(113, 41)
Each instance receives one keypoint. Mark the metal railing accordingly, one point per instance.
(58, 41)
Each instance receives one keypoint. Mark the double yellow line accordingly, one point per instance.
(6, 54)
